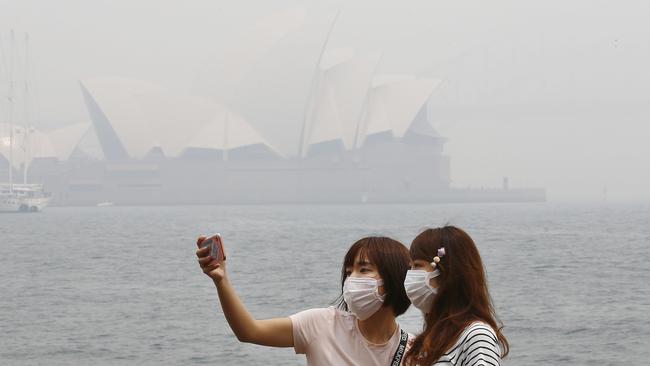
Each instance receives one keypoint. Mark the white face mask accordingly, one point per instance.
(418, 289)
(362, 296)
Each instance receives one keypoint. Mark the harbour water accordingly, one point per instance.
(121, 286)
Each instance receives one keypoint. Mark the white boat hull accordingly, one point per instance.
(23, 198)
(34, 204)
(16, 204)
(10, 204)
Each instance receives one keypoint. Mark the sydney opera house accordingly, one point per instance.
(324, 127)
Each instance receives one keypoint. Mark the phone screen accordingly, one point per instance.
(207, 242)
(214, 249)
(214, 246)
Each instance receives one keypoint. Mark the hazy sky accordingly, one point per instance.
(551, 94)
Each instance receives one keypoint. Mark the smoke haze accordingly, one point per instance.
(551, 94)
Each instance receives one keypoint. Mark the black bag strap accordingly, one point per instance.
(401, 348)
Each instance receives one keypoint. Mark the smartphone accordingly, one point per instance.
(216, 246)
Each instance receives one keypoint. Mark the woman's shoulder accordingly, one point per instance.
(477, 334)
(324, 320)
(478, 345)
(323, 313)
(479, 328)
(328, 313)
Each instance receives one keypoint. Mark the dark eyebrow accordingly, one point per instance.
(364, 262)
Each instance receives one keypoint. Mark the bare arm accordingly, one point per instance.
(276, 332)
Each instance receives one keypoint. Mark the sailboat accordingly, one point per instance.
(20, 197)
(23, 198)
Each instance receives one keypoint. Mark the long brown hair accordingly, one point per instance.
(462, 296)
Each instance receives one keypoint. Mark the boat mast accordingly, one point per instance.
(10, 98)
(26, 131)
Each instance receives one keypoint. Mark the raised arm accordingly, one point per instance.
(276, 332)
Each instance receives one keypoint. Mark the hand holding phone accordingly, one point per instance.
(216, 247)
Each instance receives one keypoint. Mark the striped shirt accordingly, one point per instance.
(476, 346)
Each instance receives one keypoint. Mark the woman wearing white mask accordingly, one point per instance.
(361, 331)
(447, 283)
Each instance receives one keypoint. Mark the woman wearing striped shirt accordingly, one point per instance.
(447, 283)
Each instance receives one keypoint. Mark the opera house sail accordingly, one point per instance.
(280, 118)
(145, 145)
